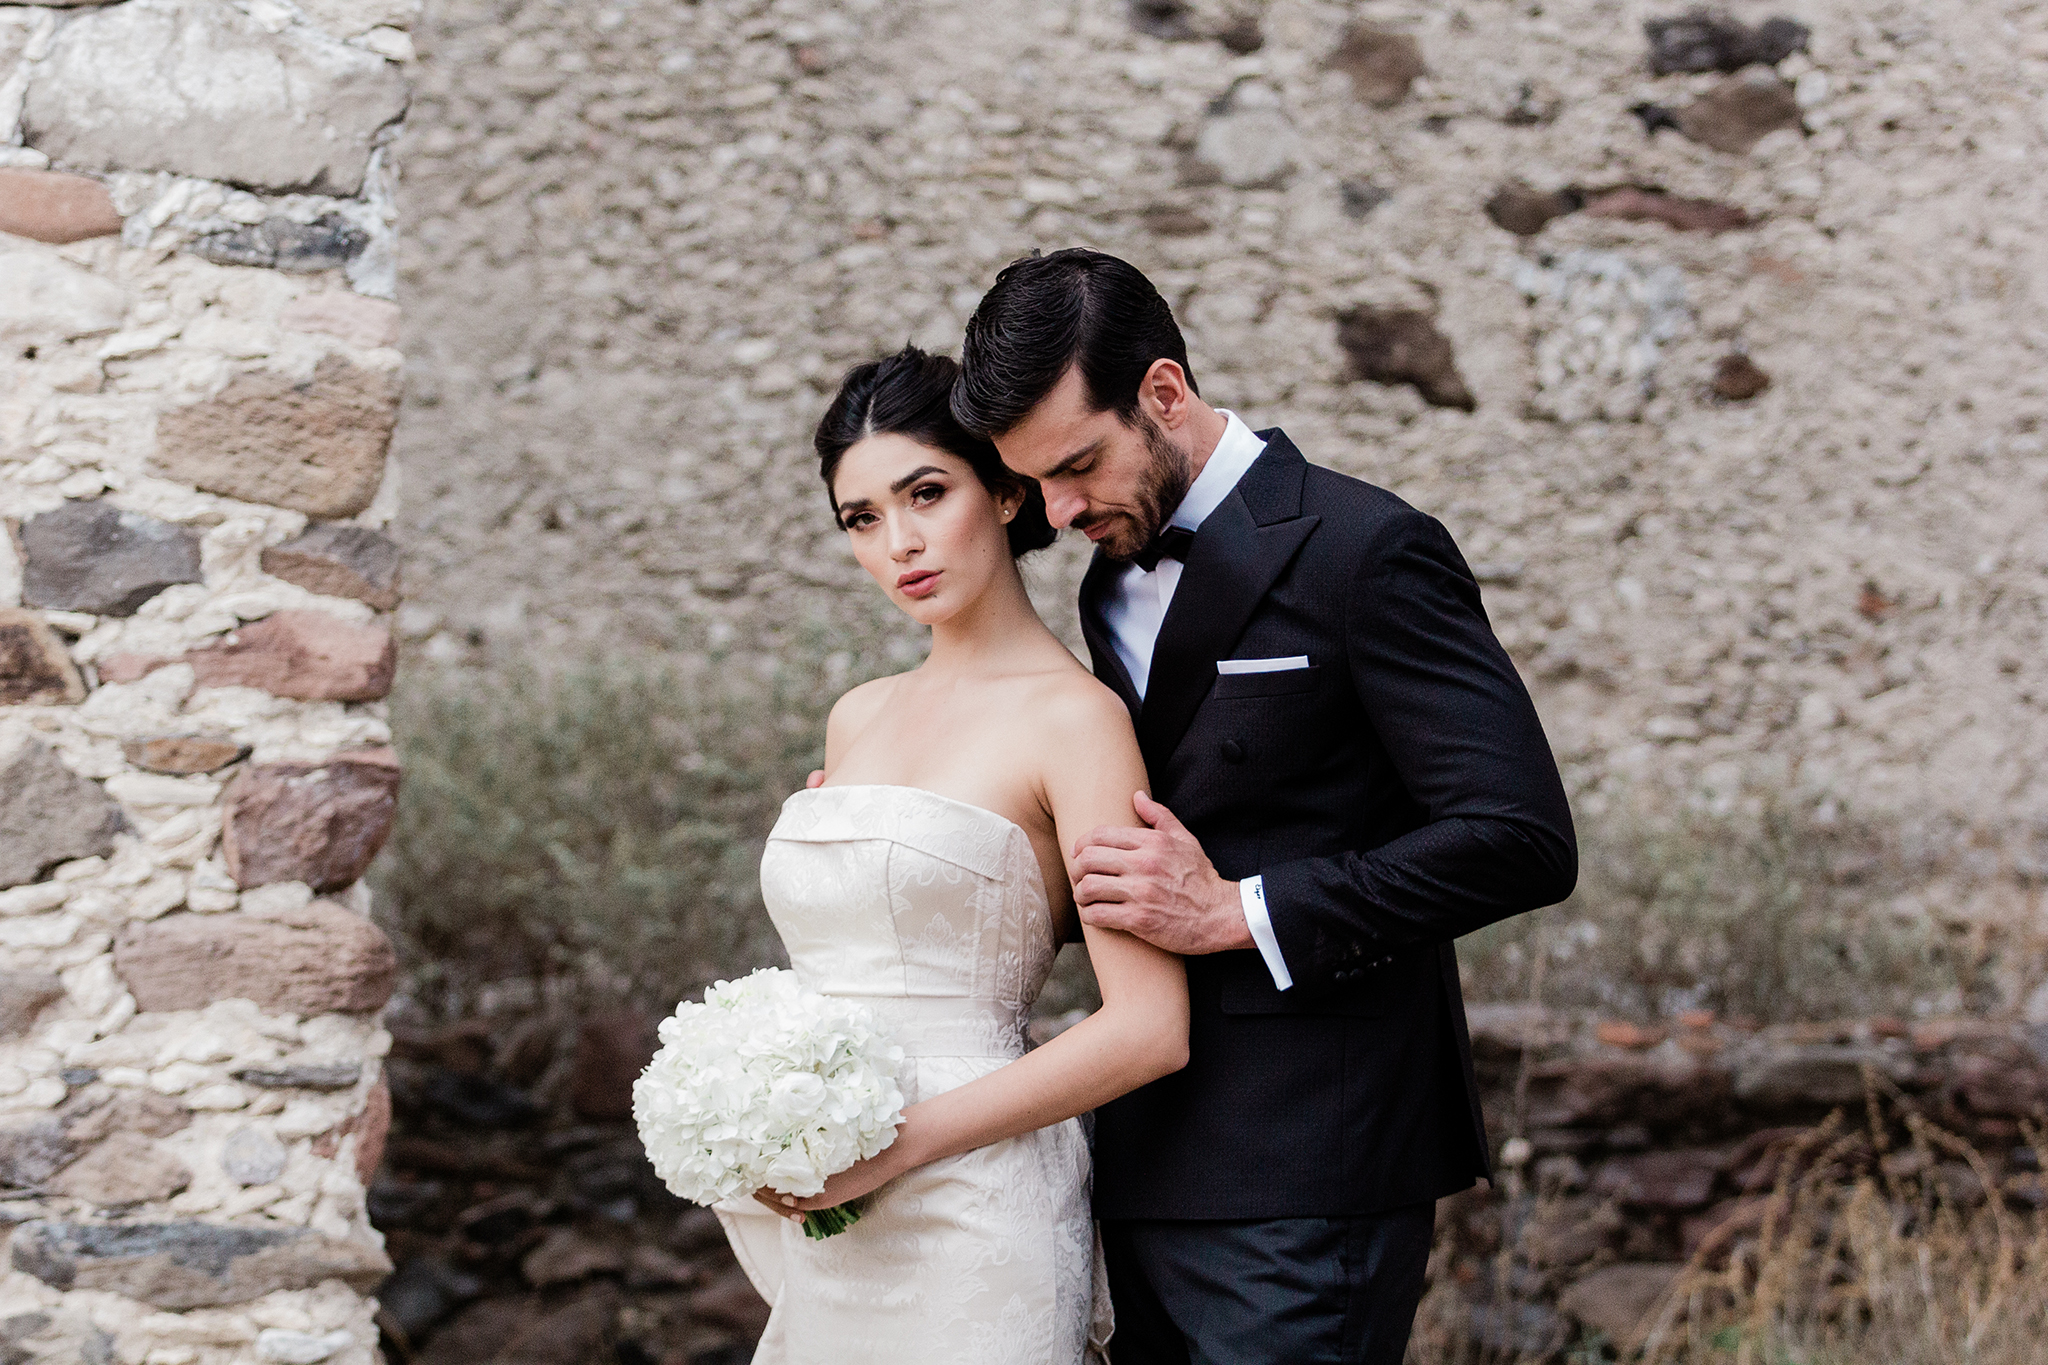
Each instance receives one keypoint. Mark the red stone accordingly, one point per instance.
(1737, 378)
(317, 823)
(1637, 204)
(319, 959)
(1661, 1180)
(1403, 346)
(1382, 64)
(183, 755)
(370, 1128)
(305, 655)
(128, 668)
(1621, 1033)
(51, 206)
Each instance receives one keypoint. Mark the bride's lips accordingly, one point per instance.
(918, 583)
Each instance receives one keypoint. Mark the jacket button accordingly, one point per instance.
(1233, 752)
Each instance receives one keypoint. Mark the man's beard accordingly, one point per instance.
(1167, 476)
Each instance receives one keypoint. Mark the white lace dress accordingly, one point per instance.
(934, 913)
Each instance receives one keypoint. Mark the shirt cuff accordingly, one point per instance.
(1252, 891)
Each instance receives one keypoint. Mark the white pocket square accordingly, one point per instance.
(1292, 661)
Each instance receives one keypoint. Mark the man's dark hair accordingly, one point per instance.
(906, 394)
(1045, 314)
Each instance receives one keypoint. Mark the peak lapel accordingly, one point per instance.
(1236, 558)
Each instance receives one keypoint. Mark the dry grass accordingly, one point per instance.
(1865, 1252)
(1900, 1269)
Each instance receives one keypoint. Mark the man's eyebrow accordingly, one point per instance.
(913, 476)
(1066, 465)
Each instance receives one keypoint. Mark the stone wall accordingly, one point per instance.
(1726, 369)
(1626, 1152)
(198, 383)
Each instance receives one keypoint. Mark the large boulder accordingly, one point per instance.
(200, 88)
(318, 959)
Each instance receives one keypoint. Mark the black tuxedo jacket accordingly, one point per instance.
(1395, 794)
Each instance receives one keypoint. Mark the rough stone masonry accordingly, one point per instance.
(198, 385)
(1719, 346)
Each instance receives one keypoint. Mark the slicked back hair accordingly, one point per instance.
(1045, 314)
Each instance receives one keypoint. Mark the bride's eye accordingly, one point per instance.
(925, 494)
(859, 521)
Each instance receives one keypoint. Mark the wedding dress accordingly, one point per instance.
(933, 913)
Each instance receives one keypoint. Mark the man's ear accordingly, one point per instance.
(1163, 393)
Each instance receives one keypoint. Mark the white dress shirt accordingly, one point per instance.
(1135, 608)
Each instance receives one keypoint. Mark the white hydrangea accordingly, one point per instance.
(766, 1083)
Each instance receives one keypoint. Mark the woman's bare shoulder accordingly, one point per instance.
(860, 705)
(1074, 702)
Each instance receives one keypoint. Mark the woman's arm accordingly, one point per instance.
(1139, 1034)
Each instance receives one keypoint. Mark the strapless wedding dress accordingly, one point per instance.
(933, 913)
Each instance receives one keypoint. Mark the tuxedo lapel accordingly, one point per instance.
(1242, 549)
(1109, 665)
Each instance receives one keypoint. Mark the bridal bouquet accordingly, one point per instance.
(767, 1083)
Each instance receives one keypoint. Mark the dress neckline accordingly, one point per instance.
(921, 791)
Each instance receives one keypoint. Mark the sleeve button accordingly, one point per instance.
(1232, 751)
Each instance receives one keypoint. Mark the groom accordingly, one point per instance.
(1352, 776)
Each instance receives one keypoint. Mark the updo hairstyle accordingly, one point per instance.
(909, 394)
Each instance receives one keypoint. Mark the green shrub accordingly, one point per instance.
(599, 826)
(1769, 914)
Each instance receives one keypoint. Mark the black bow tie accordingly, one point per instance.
(1172, 543)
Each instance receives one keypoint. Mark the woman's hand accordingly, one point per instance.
(863, 1177)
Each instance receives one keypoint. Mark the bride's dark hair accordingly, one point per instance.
(909, 394)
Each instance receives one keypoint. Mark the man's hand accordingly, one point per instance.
(1157, 884)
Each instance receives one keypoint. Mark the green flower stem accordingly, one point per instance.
(822, 1223)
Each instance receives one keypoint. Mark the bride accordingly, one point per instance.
(928, 876)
